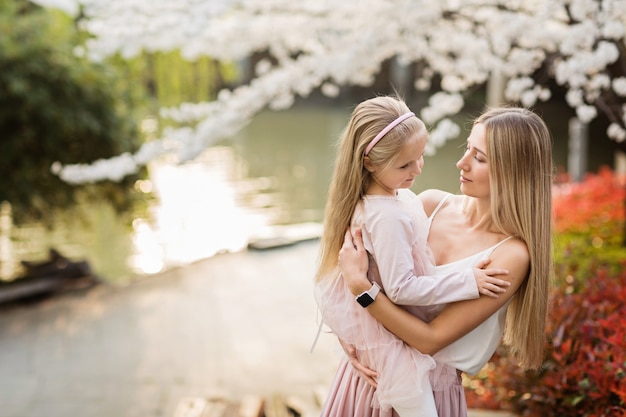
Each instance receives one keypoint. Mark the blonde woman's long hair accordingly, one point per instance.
(351, 179)
(520, 145)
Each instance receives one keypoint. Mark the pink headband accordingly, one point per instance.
(387, 129)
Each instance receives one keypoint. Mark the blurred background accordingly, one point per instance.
(59, 108)
(151, 145)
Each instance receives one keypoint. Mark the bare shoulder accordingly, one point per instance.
(430, 198)
(514, 256)
(515, 248)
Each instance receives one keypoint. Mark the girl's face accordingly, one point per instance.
(401, 174)
(474, 164)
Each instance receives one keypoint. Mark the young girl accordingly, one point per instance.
(379, 156)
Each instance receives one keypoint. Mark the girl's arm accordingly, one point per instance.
(390, 234)
(455, 321)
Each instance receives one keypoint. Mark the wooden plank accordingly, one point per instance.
(190, 407)
(295, 406)
(216, 407)
(320, 394)
(252, 406)
(276, 407)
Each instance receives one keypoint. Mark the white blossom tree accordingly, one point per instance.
(537, 45)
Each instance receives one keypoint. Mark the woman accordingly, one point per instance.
(379, 156)
(504, 215)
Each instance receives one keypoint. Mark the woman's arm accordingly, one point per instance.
(368, 374)
(455, 321)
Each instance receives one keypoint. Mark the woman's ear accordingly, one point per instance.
(368, 164)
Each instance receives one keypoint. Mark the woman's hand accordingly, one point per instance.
(353, 263)
(366, 373)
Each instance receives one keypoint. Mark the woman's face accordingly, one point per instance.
(474, 164)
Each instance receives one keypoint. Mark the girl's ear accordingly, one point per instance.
(368, 164)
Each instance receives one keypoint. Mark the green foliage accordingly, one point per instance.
(55, 107)
(166, 79)
(589, 219)
(584, 373)
(580, 255)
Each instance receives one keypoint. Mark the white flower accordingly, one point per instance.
(453, 83)
(330, 90)
(616, 132)
(516, 87)
(56, 168)
(445, 130)
(441, 105)
(526, 61)
(263, 66)
(619, 86)
(422, 84)
(574, 97)
(599, 82)
(545, 94)
(528, 98)
(613, 30)
(68, 6)
(607, 52)
(582, 10)
(586, 113)
(113, 169)
(327, 44)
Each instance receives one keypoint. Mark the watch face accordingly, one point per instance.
(365, 299)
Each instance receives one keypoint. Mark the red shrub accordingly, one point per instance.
(584, 373)
(585, 369)
(589, 205)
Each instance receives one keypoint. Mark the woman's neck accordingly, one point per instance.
(478, 214)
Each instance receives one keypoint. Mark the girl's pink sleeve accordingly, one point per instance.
(389, 235)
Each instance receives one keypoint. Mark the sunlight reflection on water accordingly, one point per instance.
(198, 215)
(273, 173)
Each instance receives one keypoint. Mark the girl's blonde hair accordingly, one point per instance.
(520, 175)
(350, 178)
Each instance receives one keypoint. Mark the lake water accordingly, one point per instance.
(274, 172)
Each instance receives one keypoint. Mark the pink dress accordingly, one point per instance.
(395, 230)
(350, 395)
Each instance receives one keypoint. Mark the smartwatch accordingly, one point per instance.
(367, 297)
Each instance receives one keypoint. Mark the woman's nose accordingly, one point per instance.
(462, 163)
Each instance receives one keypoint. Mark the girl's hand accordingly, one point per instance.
(353, 263)
(488, 284)
(366, 373)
